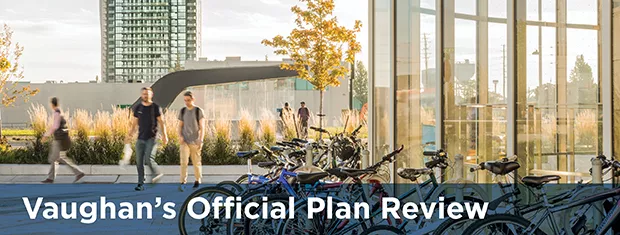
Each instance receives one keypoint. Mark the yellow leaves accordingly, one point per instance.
(5, 64)
(318, 45)
(10, 69)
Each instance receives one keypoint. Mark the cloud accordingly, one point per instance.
(9, 10)
(271, 2)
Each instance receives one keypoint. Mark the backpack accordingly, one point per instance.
(62, 133)
(197, 113)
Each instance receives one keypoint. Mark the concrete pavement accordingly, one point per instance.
(112, 174)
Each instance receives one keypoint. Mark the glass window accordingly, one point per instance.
(465, 7)
(582, 12)
(415, 83)
(382, 77)
(498, 8)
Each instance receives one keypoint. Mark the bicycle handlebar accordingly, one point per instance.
(354, 133)
(393, 153)
(319, 129)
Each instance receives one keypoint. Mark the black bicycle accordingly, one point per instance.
(513, 224)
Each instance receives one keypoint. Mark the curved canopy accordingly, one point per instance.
(167, 88)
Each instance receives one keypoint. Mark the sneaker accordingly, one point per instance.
(157, 177)
(196, 184)
(47, 181)
(182, 187)
(78, 177)
(139, 187)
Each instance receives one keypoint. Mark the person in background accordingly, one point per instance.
(147, 115)
(304, 116)
(191, 132)
(60, 145)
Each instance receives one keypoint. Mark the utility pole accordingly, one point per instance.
(426, 56)
(351, 85)
(504, 70)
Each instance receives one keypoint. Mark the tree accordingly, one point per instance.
(11, 71)
(317, 46)
(581, 86)
(360, 83)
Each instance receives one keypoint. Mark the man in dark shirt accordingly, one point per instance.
(304, 115)
(147, 115)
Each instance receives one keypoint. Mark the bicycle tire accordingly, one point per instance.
(248, 228)
(299, 205)
(500, 219)
(382, 229)
(243, 179)
(230, 226)
(445, 226)
(201, 191)
(234, 186)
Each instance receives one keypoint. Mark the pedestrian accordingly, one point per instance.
(191, 132)
(147, 115)
(60, 145)
(304, 115)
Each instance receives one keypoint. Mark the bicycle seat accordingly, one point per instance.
(299, 140)
(537, 181)
(247, 154)
(266, 164)
(311, 178)
(501, 168)
(413, 173)
(276, 148)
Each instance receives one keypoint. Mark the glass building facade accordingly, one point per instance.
(143, 39)
(492, 78)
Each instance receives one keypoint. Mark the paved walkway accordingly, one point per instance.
(111, 174)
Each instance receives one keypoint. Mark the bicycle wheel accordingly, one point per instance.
(500, 224)
(320, 223)
(452, 226)
(243, 179)
(237, 226)
(232, 186)
(209, 224)
(265, 226)
(382, 229)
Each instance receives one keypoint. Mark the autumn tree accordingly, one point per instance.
(11, 71)
(360, 83)
(317, 46)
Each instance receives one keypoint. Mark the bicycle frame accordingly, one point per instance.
(551, 209)
(407, 194)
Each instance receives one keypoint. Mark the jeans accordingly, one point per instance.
(55, 156)
(146, 149)
(191, 151)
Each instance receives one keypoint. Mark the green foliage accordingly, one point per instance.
(169, 154)
(581, 86)
(360, 83)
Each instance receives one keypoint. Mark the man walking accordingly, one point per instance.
(147, 115)
(304, 115)
(191, 131)
(60, 146)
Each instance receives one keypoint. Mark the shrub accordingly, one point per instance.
(121, 122)
(169, 154)
(171, 122)
(246, 131)
(38, 119)
(288, 127)
(81, 123)
(267, 129)
(586, 127)
(221, 151)
(101, 126)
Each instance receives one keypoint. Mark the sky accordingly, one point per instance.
(62, 38)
